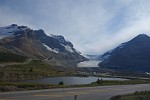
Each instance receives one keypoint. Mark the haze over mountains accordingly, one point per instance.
(36, 44)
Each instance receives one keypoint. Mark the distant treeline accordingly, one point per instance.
(9, 57)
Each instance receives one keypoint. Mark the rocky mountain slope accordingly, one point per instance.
(133, 55)
(36, 44)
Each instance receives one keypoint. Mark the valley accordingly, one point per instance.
(31, 60)
(74, 50)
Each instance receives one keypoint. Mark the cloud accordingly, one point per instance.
(133, 18)
(8, 17)
(138, 22)
(93, 26)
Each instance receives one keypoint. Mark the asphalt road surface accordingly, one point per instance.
(88, 93)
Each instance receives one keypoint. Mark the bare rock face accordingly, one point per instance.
(36, 44)
(131, 56)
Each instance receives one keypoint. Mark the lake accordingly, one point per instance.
(70, 80)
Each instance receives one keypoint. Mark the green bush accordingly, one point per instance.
(99, 81)
(61, 83)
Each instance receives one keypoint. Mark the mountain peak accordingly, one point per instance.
(133, 55)
(16, 27)
(142, 36)
(54, 49)
(13, 25)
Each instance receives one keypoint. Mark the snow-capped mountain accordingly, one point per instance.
(133, 55)
(37, 44)
(54, 43)
(109, 53)
(91, 57)
(10, 30)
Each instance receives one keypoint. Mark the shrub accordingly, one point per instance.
(99, 81)
(61, 83)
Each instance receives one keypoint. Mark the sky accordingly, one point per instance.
(93, 26)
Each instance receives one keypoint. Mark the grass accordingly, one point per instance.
(17, 86)
(143, 95)
(9, 57)
(121, 82)
(33, 70)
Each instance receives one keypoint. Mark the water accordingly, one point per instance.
(70, 80)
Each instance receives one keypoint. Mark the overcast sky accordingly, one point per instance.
(93, 26)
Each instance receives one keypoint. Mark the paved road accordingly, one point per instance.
(88, 93)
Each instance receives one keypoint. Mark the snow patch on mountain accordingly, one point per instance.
(110, 51)
(78, 51)
(108, 54)
(68, 48)
(55, 50)
(50, 35)
(106, 57)
(122, 45)
(90, 63)
(9, 30)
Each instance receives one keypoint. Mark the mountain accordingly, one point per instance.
(91, 57)
(36, 44)
(133, 56)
